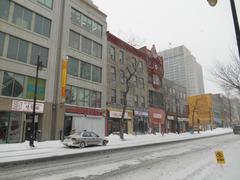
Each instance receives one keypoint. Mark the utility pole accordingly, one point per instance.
(32, 134)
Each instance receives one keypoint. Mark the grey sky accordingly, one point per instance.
(208, 32)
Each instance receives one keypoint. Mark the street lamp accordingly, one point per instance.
(212, 2)
(32, 134)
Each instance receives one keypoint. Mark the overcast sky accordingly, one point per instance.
(208, 32)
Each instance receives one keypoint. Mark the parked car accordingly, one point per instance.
(236, 129)
(83, 139)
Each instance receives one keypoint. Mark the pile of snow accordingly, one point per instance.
(22, 151)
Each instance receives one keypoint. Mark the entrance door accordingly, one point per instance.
(67, 125)
(4, 120)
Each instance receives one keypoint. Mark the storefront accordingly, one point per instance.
(15, 124)
(183, 123)
(171, 124)
(156, 119)
(79, 119)
(114, 117)
(140, 124)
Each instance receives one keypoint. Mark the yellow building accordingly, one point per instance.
(200, 110)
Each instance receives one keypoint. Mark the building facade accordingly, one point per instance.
(181, 66)
(51, 30)
(155, 73)
(175, 103)
(121, 58)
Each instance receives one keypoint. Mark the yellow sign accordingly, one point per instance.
(64, 78)
(220, 157)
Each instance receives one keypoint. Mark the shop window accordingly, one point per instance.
(42, 25)
(85, 71)
(73, 66)
(2, 38)
(97, 50)
(17, 49)
(39, 51)
(22, 16)
(31, 87)
(47, 3)
(86, 45)
(4, 9)
(96, 74)
(74, 40)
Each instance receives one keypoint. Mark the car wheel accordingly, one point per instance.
(104, 143)
(82, 144)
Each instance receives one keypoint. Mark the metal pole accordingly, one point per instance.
(32, 136)
(236, 24)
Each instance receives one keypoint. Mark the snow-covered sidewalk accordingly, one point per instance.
(22, 151)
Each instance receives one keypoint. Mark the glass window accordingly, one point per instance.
(4, 9)
(136, 100)
(47, 3)
(71, 95)
(87, 97)
(39, 51)
(121, 57)
(86, 23)
(97, 28)
(98, 100)
(96, 74)
(140, 65)
(86, 45)
(93, 95)
(17, 49)
(112, 53)
(121, 98)
(97, 50)
(42, 25)
(81, 97)
(113, 97)
(8, 82)
(142, 99)
(73, 66)
(76, 16)
(113, 73)
(134, 80)
(141, 83)
(22, 16)
(74, 40)
(68, 94)
(122, 76)
(18, 85)
(85, 71)
(31, 87)
(2, 37)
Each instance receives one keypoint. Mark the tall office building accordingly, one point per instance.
(51, 29)
(181, 66)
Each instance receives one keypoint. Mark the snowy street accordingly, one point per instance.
(183, 160)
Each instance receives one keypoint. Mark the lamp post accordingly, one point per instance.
(235, 20)
(32, 134)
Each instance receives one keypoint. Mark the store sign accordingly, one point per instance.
(182, 119)
(25, 106)
(170, 117)
(157, 116)
(118, 114)
(141, 113)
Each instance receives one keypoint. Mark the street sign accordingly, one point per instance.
(220, 157)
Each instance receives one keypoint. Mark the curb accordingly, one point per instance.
(103, 151)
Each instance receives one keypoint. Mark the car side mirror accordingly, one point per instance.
(97, 135)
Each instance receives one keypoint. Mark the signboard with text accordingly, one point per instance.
(118, 114)
(26, 106)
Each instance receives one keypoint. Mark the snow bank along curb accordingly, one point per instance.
(103, 151)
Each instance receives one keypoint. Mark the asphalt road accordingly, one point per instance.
(153, 162)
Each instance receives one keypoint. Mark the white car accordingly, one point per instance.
(83, 139)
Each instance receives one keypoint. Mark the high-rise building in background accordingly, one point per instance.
(181, 66)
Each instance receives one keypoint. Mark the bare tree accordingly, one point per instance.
(131, 71)
(228, 76)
